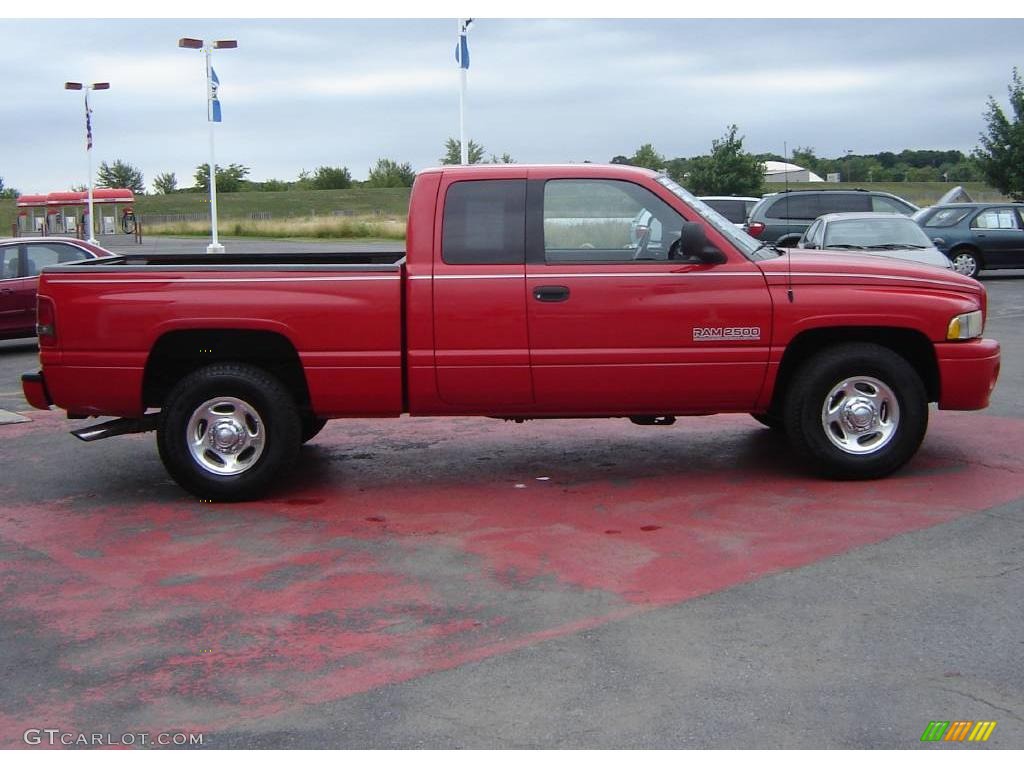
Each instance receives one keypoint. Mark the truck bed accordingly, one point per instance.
(337, 316)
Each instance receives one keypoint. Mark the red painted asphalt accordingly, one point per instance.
(404, 548)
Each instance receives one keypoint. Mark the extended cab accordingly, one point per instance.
(523, 293)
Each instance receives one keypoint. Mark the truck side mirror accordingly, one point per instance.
(693, 244)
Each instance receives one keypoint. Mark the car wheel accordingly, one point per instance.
(966, 262)
(227, 431)
(311, 427)
(856, 411)
(770, 420)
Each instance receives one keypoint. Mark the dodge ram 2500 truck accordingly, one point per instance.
(524, 292)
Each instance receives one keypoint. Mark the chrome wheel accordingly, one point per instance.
(965, 263)
(225, 436)
(860, 415)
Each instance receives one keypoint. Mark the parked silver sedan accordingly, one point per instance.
(882, 234)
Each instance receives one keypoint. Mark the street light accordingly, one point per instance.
(212, 116)
(88, 140)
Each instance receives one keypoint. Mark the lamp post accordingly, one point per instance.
(88, 141)
(212, 116)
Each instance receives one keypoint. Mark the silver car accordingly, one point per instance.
(880, 234)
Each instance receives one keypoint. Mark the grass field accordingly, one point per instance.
(318, 227)
(365, 212)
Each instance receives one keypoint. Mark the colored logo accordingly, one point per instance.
(958, 730)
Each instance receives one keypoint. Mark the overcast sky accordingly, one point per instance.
(299, 94)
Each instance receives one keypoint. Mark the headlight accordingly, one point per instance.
(966, 326)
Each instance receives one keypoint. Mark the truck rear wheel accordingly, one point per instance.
(227, 431)
(856, 411)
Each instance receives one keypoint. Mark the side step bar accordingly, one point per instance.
(116, 427)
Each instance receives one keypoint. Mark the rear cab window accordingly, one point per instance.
(485, 222)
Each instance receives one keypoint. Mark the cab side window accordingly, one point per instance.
(888, 205)
(39, 256)
(9, 262)
(485, 222)
(796, 207)
(606, 221)
(996, 218)
(844, 203)
(812, 236)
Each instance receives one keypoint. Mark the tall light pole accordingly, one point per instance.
(212, 116)
(88, 141)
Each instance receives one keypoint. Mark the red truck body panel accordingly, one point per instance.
(346, 328)
(429, 337)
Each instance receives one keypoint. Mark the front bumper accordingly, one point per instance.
(967, 373)
(34, 387)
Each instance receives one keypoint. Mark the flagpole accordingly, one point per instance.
(462, 100)
(214, 246)
(462, 117)
(91, 239)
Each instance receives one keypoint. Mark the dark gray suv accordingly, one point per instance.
(783, 217)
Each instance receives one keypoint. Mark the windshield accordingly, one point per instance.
(722, 225)
(875, 233)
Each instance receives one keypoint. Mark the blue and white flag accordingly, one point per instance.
(462, 48)
(88, 123)
(214, 112)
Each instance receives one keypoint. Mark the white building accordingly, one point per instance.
(782, 172)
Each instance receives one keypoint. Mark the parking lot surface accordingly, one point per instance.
(471, 583)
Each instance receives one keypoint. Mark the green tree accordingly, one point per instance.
(677, 168)
(728, 170)
(806, 158)
(505, 158)
(6, 192)
(165, 183)
(646, 157)
(453, 152)
(1001, 154)
(229, 179)
(388, 173)
(272, 185)
(327, 177)
(120, 175)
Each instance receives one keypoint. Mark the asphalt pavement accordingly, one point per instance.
(470, 583)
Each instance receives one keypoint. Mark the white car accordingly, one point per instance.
(882, 234)
(735, 209)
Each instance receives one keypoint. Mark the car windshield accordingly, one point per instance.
(897, 232)
(722, 225)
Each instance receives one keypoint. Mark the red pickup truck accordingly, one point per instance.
(524, 292)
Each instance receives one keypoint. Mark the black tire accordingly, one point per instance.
(770, 420)
(966, 261)
(311, 426)
(861, 366)
(273, 416)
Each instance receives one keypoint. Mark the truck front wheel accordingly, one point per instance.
(856, 411)
(227, 431)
